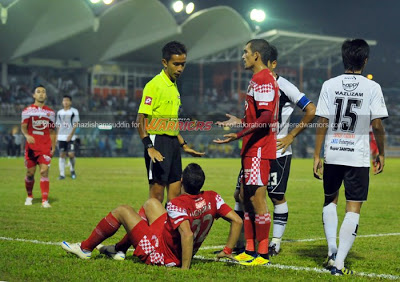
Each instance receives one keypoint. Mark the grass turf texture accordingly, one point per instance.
(103, 184)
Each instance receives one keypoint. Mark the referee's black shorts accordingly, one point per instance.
(170, 169)
(355, 179)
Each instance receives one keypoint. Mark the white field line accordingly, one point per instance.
(279, 266)
(311, 240)
(311, 269)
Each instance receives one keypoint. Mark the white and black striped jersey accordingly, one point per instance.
(350, 102)
(289, 96)
(65, 121)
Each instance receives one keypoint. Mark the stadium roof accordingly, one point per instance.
(295, 49)
(67, 33)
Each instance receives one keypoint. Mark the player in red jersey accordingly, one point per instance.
(38, 127)
(170, 237)
(259, 147)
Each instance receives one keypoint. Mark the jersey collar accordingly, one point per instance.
(166, 79)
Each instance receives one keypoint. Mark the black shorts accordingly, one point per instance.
(170, 169)
(356, 181)
(66, 146)
(279, 175)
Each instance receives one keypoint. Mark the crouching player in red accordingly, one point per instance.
(170, 237)
(38, 127)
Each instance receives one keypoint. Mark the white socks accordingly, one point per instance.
(72, 162)
(61, 166)
(347, 235)
(281, 213)
(330, 220)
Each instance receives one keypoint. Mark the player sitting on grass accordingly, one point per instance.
(170, 237)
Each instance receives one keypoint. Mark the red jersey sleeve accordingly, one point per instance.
(222, 208)
(176, 214)
(25, 115)
(264, 90)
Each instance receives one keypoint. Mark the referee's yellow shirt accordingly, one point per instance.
(161, 102)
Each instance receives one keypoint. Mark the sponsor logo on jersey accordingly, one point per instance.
(40, 124)
(349, 86)
(200, 204)
(148, 100)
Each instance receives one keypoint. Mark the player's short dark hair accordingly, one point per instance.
(193, 178)
(274, 54)
(68, 97)
(354, 54)
(37, 86)
(261, 46)
(173, 48)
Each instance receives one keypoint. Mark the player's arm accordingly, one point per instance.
(322, 127)
(234, 233)
(186, 243)
(187, 149)
(379, 133)
(148, 144)
(309, 115)
(261, 123)
(24, 130)
(74, 126)
(53, 137)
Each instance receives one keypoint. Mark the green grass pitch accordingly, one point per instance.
(103, 184)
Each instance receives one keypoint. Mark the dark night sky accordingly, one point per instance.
(368, 19)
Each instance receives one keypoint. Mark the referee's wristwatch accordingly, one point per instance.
(183, 144)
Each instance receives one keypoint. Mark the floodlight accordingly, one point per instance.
(94, 1)
(257, 15)
(189, 8)
(177, 6)
(370, 76)
(107, 2)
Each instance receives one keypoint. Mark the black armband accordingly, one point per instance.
(147, 142)
(183, 144)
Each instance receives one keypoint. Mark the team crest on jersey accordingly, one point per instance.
(148, 100)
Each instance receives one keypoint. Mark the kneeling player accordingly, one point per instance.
(170, 237)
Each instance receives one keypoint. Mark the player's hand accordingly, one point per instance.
(228, 138)
(221, 255)
(284, 142)
(155, 155)
(379, 164)
(232, 121)
(192, 152)
(318, 169)
(52, 151)
(30, 139)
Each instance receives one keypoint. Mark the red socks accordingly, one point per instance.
(29, 186)
(123, 245)
(263, 224)
(249, 232)
(104, 229)
(44, 186)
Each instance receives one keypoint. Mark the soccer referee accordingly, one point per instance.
(159, 125)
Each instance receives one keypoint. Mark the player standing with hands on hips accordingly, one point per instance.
(347, 105)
